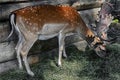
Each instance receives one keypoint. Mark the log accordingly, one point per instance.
(8, 65)
(12, 1)
(7, 51)
(4, 32)
(87, 5)
(49, 1)
(6, 9)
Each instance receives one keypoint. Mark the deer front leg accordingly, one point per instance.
(61, 47)
(24, 52)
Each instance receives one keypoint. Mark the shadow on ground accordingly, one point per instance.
(102, 68)
(78, 66)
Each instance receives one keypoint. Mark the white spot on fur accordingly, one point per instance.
(25, 19)
(30, 24)
(27, 22)
(23, 11)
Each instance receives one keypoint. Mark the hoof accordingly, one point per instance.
(31, 73)
(21, 67)
(59, 65)
(102, 55)
(65, 55)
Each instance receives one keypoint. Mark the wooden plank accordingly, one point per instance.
(87, 5)
(13, 64)
(4, 31)
(8, 65)
(23, 1)
(7, 8)
(13, 1)
(7, 51)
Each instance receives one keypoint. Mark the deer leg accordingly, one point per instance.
(18, 56)
(64, 52)
(61, 47)
(24, 52)
(18, 49)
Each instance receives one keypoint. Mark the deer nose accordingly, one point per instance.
(101, 51)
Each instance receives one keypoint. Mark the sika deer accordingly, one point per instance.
(47, 21)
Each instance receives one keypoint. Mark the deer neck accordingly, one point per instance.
(92, 39)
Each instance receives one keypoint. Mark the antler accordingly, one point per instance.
(103, 26)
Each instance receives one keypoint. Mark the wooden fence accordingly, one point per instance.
(88, 10)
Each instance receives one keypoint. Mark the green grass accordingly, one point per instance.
(78, 66)
(115, 21)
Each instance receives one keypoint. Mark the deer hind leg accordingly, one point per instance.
(24, 52)
(64, 52)
(61, 47)
(18, 49)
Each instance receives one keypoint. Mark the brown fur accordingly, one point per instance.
(41, 15)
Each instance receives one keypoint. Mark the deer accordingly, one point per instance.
(42, 22)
